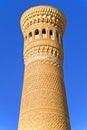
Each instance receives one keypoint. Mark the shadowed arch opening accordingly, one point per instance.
(30, 34)
(44, 31)
(36, 32)
(51, 32)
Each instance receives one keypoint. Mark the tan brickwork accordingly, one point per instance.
(43, 103)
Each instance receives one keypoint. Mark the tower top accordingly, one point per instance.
(43, 14)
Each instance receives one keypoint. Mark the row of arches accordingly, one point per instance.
(43, 32)
(52, 34)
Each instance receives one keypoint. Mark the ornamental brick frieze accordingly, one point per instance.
(43, 14)
(44, 51)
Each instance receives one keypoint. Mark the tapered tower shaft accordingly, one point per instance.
(43, 103)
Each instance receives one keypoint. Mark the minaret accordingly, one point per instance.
(43, 103)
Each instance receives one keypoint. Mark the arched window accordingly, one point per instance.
(43, 31)
(30, 34)
(51, 32)
(25, 37)
(57, 34)
(36, 32)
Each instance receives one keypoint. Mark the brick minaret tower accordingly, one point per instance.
(43, 104)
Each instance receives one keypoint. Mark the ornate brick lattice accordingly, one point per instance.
(43, 103)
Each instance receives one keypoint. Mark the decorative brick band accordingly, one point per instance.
(50, 58)
(43, 50)
(43, 14)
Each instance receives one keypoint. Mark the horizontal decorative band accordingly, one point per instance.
(50, 58)
(43, 14)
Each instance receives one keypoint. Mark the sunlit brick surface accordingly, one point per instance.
(43, 103)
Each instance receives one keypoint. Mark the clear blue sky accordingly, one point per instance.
(12, 66)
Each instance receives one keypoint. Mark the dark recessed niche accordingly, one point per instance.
(56, 34)
(43, 31)
(30, 34)
(36, 32)
(25, 37)
(51, 32)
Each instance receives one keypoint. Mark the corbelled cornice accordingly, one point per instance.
(43, 14)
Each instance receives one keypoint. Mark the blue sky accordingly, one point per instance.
(12, 65)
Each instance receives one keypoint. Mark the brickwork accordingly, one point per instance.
(43, 103)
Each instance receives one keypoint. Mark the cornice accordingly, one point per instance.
(43, 14)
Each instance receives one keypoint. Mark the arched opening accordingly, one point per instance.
(51, 32)
(25, 37)
(57, 34)
(43, 31)
(30, 34)
(36, 32)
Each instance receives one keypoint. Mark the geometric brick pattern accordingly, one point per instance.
(43, 14)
